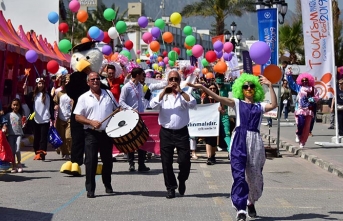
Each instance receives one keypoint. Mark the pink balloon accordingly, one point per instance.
(228, 47)
(147, 37)
(197, 50)
(138, 52)
(165, 60)
(74, 6)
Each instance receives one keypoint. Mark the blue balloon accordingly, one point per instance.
(53, 17)
(94, 32)
(101, 36)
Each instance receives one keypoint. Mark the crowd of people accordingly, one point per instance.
(77, 104)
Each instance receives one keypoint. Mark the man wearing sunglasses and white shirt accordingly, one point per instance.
(173, 105)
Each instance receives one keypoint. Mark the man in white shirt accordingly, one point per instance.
(131, 98)
(93, 107)
(173, 105)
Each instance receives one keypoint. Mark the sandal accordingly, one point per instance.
(194, 157)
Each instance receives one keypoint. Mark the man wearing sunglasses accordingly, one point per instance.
(173, 105)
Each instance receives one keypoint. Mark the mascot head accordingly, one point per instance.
(86, 55)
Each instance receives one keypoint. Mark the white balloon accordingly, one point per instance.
(112, 32)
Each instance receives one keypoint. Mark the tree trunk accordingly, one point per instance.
(220, 26)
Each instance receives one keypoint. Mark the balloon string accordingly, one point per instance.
(164, 45)
(72, 30)
(118, 34)
(36, 70)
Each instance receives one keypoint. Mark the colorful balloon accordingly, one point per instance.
(197, 50)
(52, 66)
(74, 5)
(101, 36)
(112, 32)
(173, 56)
(187, 30)
(31, 56)
(147, 37)
(171, 63)
(190, 40)
(187, 46)
(260, 52)
(155, 32)
(84, 40)
(209, 76)
(272, 73)
(94, 32)
(63, 27)
(64, 45)
(107, 38)
(175, 18)
(204, 62)
(143, 22)
(106, 50)
(154, 46)
(109, 14)
(138, 61)
(220, 67)
(168, 37)
(211, 56)
(126, 54)
(219, 54)
(160, 23)
(82, 16)
(189, 52)
(178, 51)
(138, 51)
(121, 27)
(227, 56)
(165, 60)
(228, 47)
(128, 44)
(218, 46)
(53, 17)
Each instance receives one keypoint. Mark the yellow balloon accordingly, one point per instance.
(145, 88)
(175, 18)
(155, 66)
(138, 60)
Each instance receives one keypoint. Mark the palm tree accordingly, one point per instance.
(338, 26)
(291, 39)
(219, 9)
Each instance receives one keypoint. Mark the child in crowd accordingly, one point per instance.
(13, 127)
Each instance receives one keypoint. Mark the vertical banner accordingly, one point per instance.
(218, 38)
(318, 44)
(267, 32)
(247, 62)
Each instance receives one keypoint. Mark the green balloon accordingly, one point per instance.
(64, 45)
(121, 27)
(189, 52)
(109, 14)
(126, 54)
(173, 56)
(187, 30)
(190, 40)
(160, 23)
(204, 62)
(171, 63)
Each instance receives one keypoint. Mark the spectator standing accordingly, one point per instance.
(338, 100)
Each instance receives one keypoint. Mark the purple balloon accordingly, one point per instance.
(218, 46)
(31, 56)
(227, 56)
(106, 50)
(219, 54)
(161, 63)
(156, 32)
(143, 22)
(260, 52)
(101, 36)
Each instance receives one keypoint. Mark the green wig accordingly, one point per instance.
(238, 91)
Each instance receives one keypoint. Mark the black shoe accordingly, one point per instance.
(331, 127)
(90, 194)
(143, 169)
(109, 190)
(252, 211)
(213, 159)
(209, 161)
(132, 168)
(170, 194)
(114, 159)
(241, 217)
(182, 187)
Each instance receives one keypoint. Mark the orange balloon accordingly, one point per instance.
(84, 40)
(209, 75)
(220, 67)
(114, 57)
(154, 46)
(168, 37)
(204, 71)
(82, 16)
(272, 73)
(159, 59)
(256, 70)
(187, 46)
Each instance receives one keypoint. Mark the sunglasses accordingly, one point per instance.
(93, 79)
(246, 86)
(173, 79)
(304, 80)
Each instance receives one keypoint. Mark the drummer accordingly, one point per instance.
(92, 108)
(131, 98)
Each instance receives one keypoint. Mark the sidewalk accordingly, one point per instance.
(328, 158)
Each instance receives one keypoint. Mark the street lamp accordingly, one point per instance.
(233, 38)
(281, 6)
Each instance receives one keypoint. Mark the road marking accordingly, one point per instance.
(24, 157)
(283, 202)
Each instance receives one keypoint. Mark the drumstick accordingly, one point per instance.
(113, 113)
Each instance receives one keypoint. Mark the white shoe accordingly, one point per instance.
(301, 145)
(219, 149)
(297, 139)
(287, 119)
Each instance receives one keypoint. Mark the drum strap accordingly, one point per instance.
(112, 100)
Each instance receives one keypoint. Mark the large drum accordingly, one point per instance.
(127, 130)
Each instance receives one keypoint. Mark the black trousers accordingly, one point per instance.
(40, 136)
(340, 122)
(78, 143)
(178, 139)
(141, 157)
(98, 141)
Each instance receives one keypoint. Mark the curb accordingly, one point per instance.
(307, 156)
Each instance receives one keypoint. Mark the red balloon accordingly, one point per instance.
(63, 27)
(211, 56)
(128, 44)
(147, 62)
(177, 50)
(165, 54)
(107, 38)
(52, 66)
(89, 37)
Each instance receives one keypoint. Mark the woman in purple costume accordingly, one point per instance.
(247, 150)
